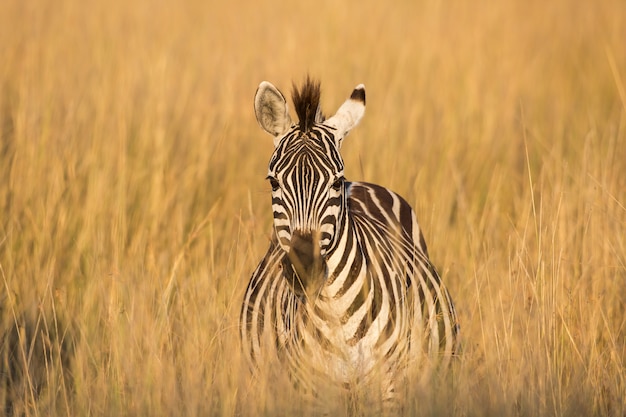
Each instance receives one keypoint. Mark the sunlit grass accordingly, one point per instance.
(133, 207)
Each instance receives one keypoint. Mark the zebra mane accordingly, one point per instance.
(306, 101)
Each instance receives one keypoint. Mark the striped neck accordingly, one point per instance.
(344, 234)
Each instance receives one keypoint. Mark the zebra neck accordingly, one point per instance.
(348, 301)
(344, 264)
(337, 253)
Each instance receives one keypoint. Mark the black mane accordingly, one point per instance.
(306, 101)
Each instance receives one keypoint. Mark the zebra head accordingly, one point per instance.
(306, 173)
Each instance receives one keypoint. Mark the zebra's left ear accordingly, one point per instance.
(349, 114)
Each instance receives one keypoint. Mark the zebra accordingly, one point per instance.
(346, 290)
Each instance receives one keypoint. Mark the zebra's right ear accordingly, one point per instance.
(271, 109)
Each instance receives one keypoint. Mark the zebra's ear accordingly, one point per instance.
(350, 113)
(271, 109)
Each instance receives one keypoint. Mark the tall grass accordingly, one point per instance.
(133, 207)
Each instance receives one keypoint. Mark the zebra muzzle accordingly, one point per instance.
(308, 264)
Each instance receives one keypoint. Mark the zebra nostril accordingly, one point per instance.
(303, 252)
(304, 255)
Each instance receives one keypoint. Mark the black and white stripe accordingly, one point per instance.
(346, 290)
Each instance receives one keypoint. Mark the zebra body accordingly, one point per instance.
(346, 291)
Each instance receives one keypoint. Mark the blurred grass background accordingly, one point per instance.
(133, 206)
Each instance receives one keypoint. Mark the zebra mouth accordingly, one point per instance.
(308, 264)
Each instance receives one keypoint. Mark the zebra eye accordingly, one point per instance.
(338, 184)
(274, 183)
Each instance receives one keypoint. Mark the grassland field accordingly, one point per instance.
(133, 205)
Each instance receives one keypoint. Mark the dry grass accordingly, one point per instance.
(133, 207)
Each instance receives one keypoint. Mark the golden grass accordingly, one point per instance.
(133, 207)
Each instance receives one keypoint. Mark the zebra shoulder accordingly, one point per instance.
(372, 201)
